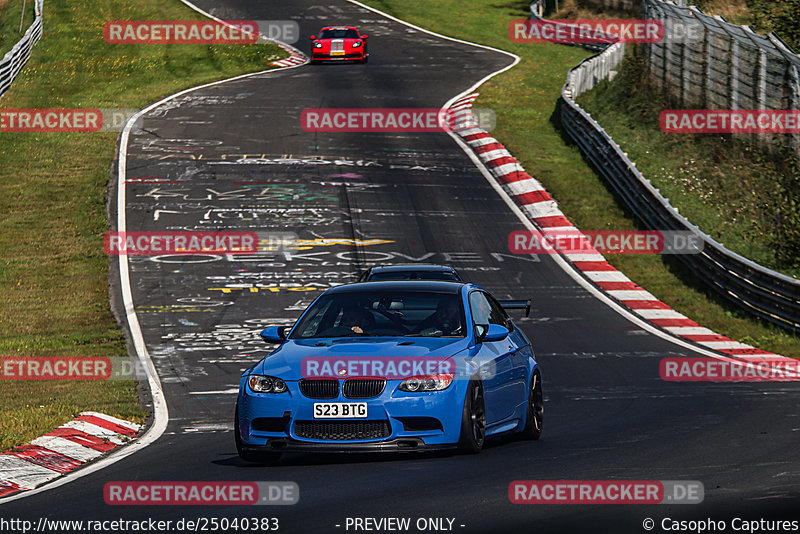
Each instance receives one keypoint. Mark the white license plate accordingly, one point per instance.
(339, 410)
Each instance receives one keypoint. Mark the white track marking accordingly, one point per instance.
(524, 186)
(116, 421)
(607, 276)
(508, 168)
(545, 208)
(23, 473)
(691, 330)
(623, 294)
(97, 431)
(660, 314)
(67, 448)
(725, 345)
(494, 154)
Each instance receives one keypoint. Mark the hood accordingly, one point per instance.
(286, 362)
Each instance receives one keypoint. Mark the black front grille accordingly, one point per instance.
(320, 389)
(342, 430)
(365, 388)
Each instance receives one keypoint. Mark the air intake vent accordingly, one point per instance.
(343, 430)
(269, 424)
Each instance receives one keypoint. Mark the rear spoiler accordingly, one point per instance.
(517, 305)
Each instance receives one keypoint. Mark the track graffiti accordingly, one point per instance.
(259, 216)
(186, 305)
(354, 259)
(267, 192)
(230, 337)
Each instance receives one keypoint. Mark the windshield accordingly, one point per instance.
(383, 313)
(338, 34)
(414, 275)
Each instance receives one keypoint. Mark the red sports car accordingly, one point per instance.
(339, 43)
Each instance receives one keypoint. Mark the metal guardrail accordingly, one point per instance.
(724, 66)
(16, 58)
(765, 293)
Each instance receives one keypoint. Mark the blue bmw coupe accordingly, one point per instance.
(391, 366)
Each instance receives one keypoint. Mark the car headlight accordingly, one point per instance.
(436, 382)
(356, 44)
(266, 384)
(317, 45)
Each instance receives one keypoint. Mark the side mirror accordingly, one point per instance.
(274, 334)
(480, 331)
(313, 37)
(492, 332)
(365, 37)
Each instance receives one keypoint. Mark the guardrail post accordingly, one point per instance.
(762, 88)
(734, 75)
(686, 87)
(22, 17)
(794, 102)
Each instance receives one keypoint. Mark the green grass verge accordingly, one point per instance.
(525, 101)
(744, 198)
(53, 270)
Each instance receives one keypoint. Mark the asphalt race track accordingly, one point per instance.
(235, 158)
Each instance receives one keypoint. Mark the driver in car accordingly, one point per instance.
(446, 319)
(355, 318)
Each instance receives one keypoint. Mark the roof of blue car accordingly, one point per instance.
(413, 267)
(436, 286)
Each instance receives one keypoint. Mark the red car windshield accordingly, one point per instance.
(338, 34)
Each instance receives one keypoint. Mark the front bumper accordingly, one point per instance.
(345, 57)
(413, 421)
(394, 445)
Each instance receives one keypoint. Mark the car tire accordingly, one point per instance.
(365, 59)
(534, 417)
(473, 420)
(248, 455)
